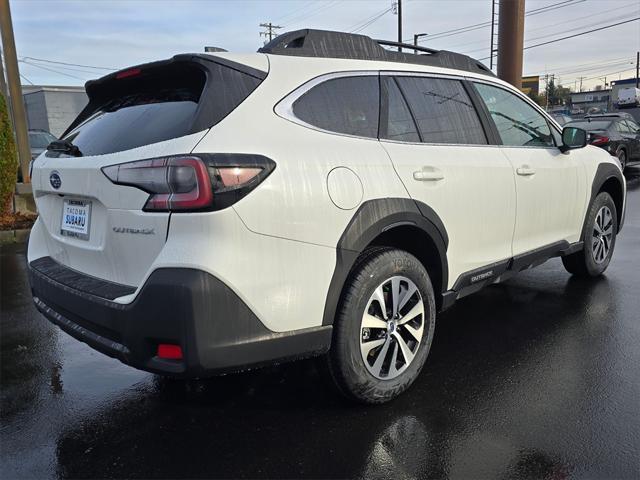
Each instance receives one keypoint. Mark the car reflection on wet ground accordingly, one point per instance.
(536, 378)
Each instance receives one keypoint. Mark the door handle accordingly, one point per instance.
(525, 171)
(428, 174)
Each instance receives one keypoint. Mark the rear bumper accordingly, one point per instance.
(192, 308)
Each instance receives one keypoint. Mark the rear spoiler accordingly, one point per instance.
(107, 87)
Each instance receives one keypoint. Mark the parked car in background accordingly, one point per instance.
(561, 118)
(615, 133)
(38, 141)
(628, 97)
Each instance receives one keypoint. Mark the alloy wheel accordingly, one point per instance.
(392, 327)
(602, 235)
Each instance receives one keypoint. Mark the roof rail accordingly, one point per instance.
(419, 48)
(328, 44)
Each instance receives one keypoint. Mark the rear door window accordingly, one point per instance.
(348, 105)
(518, 123)
(396, 122)
(443, 110)
(157, 105)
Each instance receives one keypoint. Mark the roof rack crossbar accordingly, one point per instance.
(419, 48)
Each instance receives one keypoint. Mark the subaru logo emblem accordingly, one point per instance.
(55, 180)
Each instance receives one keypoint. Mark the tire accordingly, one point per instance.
(622, 157)
(362, 376)
(594, 258)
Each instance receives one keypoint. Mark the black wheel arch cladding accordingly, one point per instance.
(371, 220)
(607, 178)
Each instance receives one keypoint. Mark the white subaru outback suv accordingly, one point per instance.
(324, 196)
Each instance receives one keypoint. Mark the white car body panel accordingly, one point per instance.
(276, 247)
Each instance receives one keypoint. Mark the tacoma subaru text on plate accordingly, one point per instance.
(322, 197)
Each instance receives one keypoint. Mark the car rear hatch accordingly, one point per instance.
(163, 109)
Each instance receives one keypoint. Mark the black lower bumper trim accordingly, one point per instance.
(218, 333)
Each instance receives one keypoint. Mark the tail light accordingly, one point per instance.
(598, 139)
(193, 183)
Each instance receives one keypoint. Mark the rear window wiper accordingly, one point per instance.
(64, 146)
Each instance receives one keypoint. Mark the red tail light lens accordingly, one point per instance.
(132, 72)
(193, 183)
(175, 183)
(598, 139)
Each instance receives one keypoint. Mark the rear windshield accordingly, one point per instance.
(160, 104)
(599, 125)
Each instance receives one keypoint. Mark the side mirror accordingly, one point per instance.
(573, 138)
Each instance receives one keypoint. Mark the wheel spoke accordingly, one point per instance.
(406, 351)
(366, 347)
(393, 371)
(418, 309)
(378, 296)
(382, 354)
(415, 332)
(395, 294)
(369, 321)
(407, 296)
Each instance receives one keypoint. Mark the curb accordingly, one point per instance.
(14, 236)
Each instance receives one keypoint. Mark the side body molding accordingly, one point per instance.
(375, 217)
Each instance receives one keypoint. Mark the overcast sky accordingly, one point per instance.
(120, 33)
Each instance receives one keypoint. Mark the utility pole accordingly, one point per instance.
(3, 84)
(396, 7)
(581, 78)
(270, 32)
(492, 47)
(416, 36)
(15, 90)
(511, 41)
(637, 69)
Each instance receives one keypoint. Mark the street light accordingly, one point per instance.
(416, 36)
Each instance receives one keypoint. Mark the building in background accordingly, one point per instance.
(52, 108)
(531, 85)
(588, 102)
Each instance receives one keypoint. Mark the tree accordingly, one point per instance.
(8, 161)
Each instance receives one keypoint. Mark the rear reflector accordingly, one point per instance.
(169, 351)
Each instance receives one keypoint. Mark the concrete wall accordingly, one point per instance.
(53, 109)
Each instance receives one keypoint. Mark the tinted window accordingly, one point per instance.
(397, 123)
(344, 105)
(518, 123)
(443, 110)
(159, 105)
(633, 126)
(622, 126)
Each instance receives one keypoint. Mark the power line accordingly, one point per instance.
(361, 22)
(371, 22)
(576, 35)
(25, 78)
(69, 64)
(295, 11)
(477, 26)
(313, 13)
(52, 70)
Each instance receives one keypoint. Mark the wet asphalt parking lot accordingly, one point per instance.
(538, 377)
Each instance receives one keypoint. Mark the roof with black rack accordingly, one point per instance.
(328, 44)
